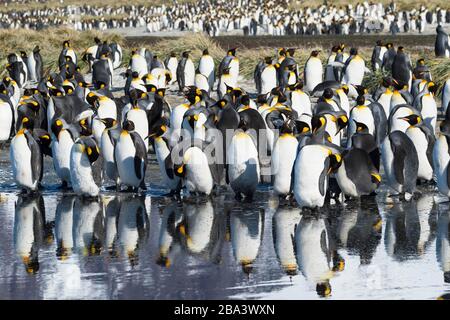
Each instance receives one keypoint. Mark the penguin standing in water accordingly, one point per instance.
(195, 171)
(131, 157)
(283, 158)
(185, 72)
(171, 63)
(243, 172)
(206, 67)
(164, 156)
(425, 103)
(400, 162)
(357, 175)
(26, 157)
(83, 154)
(107, 145)
(313, 71)
(441, 159)
(423, 139)
(441, 45)
(312, 166)
(63, 139)
(8, 118)
(402, 68)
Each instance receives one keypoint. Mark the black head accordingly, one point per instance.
(185, 54)
(353, 51)
(232, 52)
(205, 52)
(360, 100)
(412, 119)
(109, 122)
(27, 123)
(328, 93)
(128, 125)
(268, 60)
(318, 122)
(159, 128)
(57, 126)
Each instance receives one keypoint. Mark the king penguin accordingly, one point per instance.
(83, 154)
(313, 71)
(130, 154)
(185, 72)
(283, 158)
(26, 158)
(243, 172)
(206, 67)
(400, 162)
(423, 140)
(441, 159)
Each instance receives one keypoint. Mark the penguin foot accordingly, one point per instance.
(238, 197)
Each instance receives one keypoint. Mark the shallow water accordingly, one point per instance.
(149, 247)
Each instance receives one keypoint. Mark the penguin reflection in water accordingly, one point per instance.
(63, 226)
(88, 228)
(316, 258)
(285, 221)
(201, 231)
(443, 243)
(132, 227)
(359, 229)
(246, 230)
(410, 228)
(31, 231)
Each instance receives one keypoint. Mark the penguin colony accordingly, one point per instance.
(251, 17)
(317, 135)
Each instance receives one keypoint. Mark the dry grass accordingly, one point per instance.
(50, 43)
(51, 40)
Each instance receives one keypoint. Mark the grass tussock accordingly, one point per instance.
(50, 42)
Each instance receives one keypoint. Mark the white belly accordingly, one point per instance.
(20, 155)
(308, 168)
(125, 153)
(441, 160)
(6, 118)
(61, 155)
(81, 173)
(283, 158)
(243, 164)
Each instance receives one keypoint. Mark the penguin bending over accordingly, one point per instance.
(83, 154)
